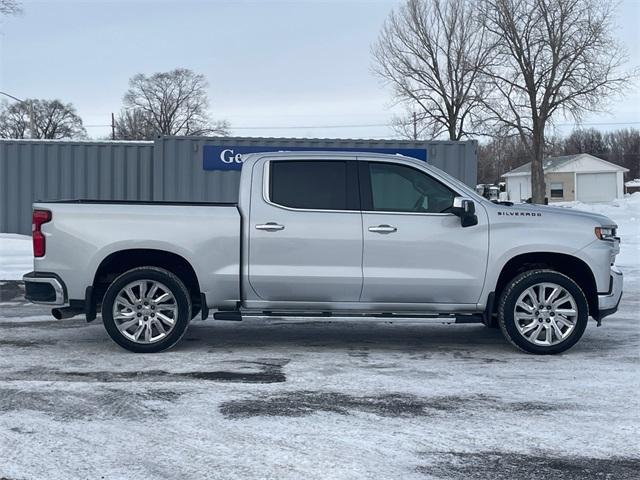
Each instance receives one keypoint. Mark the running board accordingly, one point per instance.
(236, 316)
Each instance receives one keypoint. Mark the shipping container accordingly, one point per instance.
(171, 168)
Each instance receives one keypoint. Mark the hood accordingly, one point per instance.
(596, 217)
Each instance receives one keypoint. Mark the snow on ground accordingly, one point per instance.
(321, 399)
(317, 400)
(16, 256)
(626, 213)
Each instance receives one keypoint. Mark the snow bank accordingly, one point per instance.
(16, 256)
(625, 212)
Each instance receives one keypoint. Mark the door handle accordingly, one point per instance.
(270, 227)
(383, 229)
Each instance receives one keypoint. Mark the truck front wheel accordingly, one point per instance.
(543, 312)
(146, 309)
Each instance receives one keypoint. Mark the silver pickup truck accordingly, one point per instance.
(338, 235)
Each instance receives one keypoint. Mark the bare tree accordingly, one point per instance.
(621, 147)
(431, 52)
(589, 140)
(14, 120)
(52, 119)
(624, 149)
(551, 57)
(499, 155)
(134, 125)
(10, 7)
(173, 103)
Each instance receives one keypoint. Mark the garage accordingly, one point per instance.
(596, 187)
(581, 177)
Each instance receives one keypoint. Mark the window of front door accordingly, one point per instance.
(401, 188)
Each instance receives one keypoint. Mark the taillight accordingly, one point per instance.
(38, 218)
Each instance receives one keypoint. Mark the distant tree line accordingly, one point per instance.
(621, 147)
(164, 103)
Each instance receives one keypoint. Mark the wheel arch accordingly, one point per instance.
(121, 261)
(569, 265)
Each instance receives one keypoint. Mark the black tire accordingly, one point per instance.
(516, 287)
(182, 300)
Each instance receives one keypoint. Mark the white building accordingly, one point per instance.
(580, 177)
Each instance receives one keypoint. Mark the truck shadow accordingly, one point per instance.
(355, 336)
(361, 337)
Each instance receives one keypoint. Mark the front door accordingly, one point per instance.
(414, 250)
(305, 239)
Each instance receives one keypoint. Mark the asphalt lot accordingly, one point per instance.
(316, 400)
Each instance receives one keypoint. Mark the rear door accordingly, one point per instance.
(305, 239)
(414, 250)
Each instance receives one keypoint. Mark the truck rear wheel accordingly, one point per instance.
(543, 312)
(146, 309)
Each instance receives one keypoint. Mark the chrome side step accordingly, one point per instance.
(236, 316)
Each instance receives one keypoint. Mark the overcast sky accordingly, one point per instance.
(269, 63)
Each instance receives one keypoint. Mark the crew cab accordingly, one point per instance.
(333, 235)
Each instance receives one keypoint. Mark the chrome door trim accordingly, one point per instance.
(422, 214)
(265, 197)
(267, 200)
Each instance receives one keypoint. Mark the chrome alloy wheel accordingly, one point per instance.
(145, 311)
(545, 314)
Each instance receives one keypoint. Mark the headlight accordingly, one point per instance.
(606, 233)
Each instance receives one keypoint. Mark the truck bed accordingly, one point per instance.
(82, 234)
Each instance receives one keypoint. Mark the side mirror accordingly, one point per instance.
(465, 209)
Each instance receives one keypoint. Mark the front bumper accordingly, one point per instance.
(608, 302)
(44, 288)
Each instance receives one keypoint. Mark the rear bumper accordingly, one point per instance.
(608, 302)
(44, 288)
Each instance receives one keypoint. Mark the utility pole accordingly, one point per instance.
(415, 126)
(32, 119)
(113, 126)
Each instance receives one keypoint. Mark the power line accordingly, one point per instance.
(285, 127)
(370, 125)
(366, 125)
(271, 127)
(595, 123)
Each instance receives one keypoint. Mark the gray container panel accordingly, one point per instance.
(48, 170)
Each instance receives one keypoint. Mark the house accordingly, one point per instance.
(580, 177)
(632, 186)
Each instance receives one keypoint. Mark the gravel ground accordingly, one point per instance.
(316, 400)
